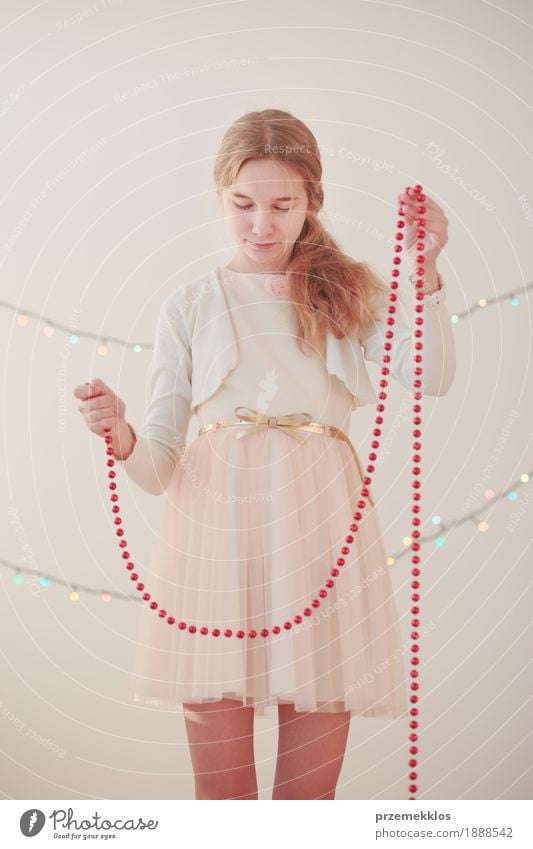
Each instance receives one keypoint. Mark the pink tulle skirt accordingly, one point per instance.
(249, 531)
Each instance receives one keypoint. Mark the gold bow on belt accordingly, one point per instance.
(288, 422)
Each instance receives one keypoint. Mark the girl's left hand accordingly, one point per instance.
(436, 225)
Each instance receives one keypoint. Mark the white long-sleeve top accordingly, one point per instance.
(228, 339)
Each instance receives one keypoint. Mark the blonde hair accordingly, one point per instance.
(330, 290)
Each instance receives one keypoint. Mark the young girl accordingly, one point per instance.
(267, 353)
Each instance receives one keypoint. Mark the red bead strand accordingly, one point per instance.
(361, 504)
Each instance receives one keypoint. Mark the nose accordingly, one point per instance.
(262, 224)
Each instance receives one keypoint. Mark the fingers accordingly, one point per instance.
(93, 404)
(101, 427)
(93, 416)
(94, 397)
(90, 389)
(409, 200)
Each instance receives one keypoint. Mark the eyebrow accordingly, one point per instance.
(240, 195)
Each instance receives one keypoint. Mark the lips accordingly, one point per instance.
(263, 245)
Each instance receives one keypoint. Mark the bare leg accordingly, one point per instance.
(311, 749)
(221, 743)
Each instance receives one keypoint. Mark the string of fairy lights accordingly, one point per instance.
(38, 581)
(50, 326)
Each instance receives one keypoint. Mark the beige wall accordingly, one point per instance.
(132, 99)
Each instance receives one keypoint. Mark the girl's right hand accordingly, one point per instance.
(101, 408)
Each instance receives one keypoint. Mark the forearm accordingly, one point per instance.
(124, 442)
(438, 353)
(432, 280)
(150, 456)
(150, 464)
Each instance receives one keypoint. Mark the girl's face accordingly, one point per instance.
(265, 211)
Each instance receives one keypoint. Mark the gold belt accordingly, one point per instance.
(291, 423)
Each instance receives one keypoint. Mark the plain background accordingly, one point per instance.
(111, 122)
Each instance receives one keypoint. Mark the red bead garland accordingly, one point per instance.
(361, 504)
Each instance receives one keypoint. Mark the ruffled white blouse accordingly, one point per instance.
(229, 339)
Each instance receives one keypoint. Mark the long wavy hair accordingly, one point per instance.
(330, 290)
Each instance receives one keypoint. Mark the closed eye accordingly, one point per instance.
(249, 206)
